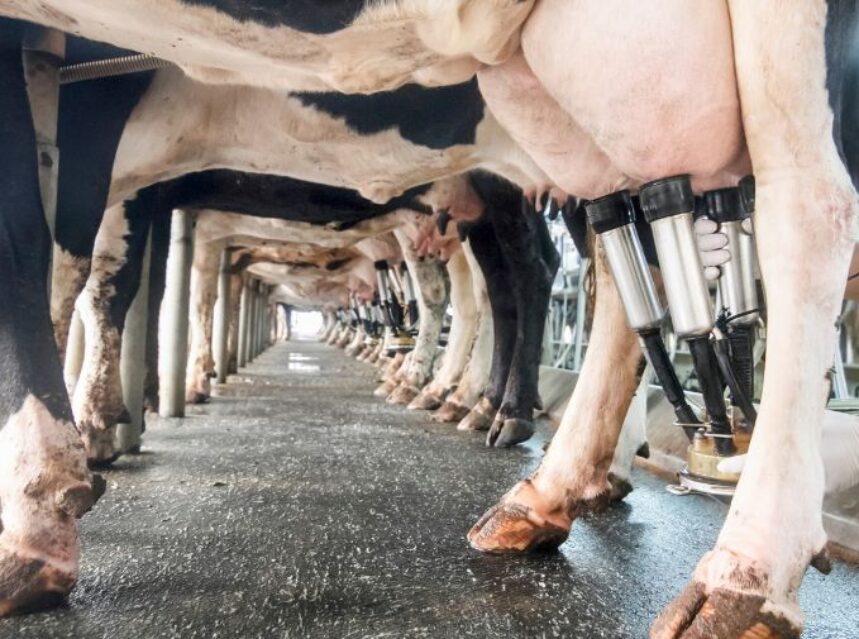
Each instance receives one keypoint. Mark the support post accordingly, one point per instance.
(174, 342)
(221, 329)
(253, 308)
(263, 318)
(244, 320)
(581, 310)
(43, 53)
(132, 363)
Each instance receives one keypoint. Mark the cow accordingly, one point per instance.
(775, 89)
(644, 125)
(348, 46)
(380, 145)
(97, 398)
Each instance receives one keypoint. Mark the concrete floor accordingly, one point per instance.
(297, 505)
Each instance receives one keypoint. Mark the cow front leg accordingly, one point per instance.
(44, 481)
(574, 474)
(804, 224)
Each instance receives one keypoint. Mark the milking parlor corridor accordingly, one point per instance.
(295, 504)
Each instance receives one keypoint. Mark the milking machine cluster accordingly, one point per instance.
(394, 286)
(720, 343)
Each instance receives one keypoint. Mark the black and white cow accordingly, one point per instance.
(774, 87)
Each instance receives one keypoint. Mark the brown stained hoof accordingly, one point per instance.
(515, 528)
(478, 418)
(402, 395)
(721, 614)
(385, 389)
(29, 584)
(426, 400)
(505, 433)
(450, 412)
(620, 488)
(78, 499)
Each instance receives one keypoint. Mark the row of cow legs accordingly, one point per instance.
(100, 391)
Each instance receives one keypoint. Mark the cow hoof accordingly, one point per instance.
(403, 394)
(505, 433)
(721, 614)
(620, 488)
(730, 596)
(426, 400)
(478, 418)
(450, 412)
(385, 389)
(29, 584)
(520, 522)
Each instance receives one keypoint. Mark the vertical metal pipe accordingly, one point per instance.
(263, 317)
(221, 328)
(174, 342)
(581, 310)
(253, 297)
(132, 363)
(43, 52)
(244, 318)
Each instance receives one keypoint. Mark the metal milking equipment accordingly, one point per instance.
(398, 339)
(720, 343)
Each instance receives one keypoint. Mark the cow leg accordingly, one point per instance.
(44, 481)
(532, 261)
(432, 294)
(69, 277)
(476, 375)
(462, 332)
(804, 225)
(204, 292)
(574, 474)
(487, 252)
(117, 259)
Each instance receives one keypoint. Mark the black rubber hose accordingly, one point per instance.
(739, 394)
(394, 314)
(707, 369)
(742, 342)
(657, 355)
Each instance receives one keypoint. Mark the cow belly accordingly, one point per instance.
(652, 83)
(380, 47)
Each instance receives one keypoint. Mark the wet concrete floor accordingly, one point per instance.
(297, 505)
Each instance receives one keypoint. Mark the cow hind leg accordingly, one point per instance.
(805, 224)
(574, 474)
(44, 481)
